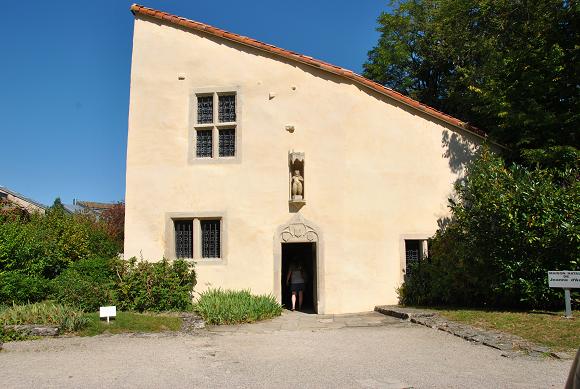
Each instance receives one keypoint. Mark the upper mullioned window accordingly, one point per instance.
(214, 136)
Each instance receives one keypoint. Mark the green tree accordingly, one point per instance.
(509, 67)
(57, 205)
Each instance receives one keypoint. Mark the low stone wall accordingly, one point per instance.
(34, 330)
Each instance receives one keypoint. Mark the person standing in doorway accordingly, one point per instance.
(296, 279)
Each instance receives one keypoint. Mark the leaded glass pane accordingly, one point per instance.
(412, 255)
(227, 143)
(227, 108)
(203, 147)
(183, 238)
(210, 238)
(204, 109)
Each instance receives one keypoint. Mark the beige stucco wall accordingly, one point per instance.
(375, 170)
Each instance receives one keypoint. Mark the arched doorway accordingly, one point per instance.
(300, 239)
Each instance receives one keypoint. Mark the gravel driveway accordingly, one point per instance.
(391, 354)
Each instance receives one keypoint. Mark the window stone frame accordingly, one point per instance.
(424, 237)
(196, 217)
(215, 126)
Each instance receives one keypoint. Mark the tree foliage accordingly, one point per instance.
(44, 245)
(509, 67)
(509, 227)
(114, 223)
(36, 248)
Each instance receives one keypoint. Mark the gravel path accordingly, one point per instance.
(395, 354)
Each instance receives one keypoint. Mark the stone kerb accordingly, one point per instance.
(510, 344)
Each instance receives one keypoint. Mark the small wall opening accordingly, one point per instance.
(415, 251)
(304, 254)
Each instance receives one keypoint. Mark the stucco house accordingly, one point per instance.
(246, 157)
(10, 198)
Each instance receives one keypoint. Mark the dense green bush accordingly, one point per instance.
(509, 227)
(45, 245)
(131, 285)
(72, 258)
(154, 286)
(219, 306)
(86, 284)
(36, 248)
(66, 318)
(19, 288)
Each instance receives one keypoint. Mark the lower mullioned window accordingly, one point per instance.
(209, 238)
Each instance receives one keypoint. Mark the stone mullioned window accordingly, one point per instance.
(215, 125)
(206, 233)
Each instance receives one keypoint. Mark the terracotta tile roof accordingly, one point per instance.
(94, 205)
(345, 73)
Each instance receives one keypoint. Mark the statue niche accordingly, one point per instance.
(296, 167)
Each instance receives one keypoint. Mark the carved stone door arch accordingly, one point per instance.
(299, 230)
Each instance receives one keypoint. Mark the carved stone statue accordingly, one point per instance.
(296, 174)
(297, 185)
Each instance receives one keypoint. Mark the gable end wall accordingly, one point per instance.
(375, 170)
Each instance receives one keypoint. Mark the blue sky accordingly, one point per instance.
(65, 68)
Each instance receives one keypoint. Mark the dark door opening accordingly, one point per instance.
(305, 255)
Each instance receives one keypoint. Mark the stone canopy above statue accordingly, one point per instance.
(296, 174)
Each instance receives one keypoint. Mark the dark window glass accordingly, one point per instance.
(210, 238)
(183, 238)
(205, 109)
(412, 254)
(227, 108)
(203, 147)
(227, 143)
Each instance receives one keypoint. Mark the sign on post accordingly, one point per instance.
(566, 280)
(108, 312)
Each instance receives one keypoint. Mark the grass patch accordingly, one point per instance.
(83, 324)
(130, 322)
(218, 306)
(47, 313)
(547, 328)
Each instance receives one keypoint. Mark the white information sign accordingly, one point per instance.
(564, 279)
(108, 312)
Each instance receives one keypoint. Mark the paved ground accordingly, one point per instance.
(298, 321)
(296, 350)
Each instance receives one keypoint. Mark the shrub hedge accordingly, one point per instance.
(20, 288)
(72, 259)
(154, 286)
(86, 284)
(509, 227)
(45, 245)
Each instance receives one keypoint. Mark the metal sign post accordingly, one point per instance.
(568, 303)
(565, 280)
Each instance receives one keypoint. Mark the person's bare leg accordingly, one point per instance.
(300, 298)
(293, 300)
